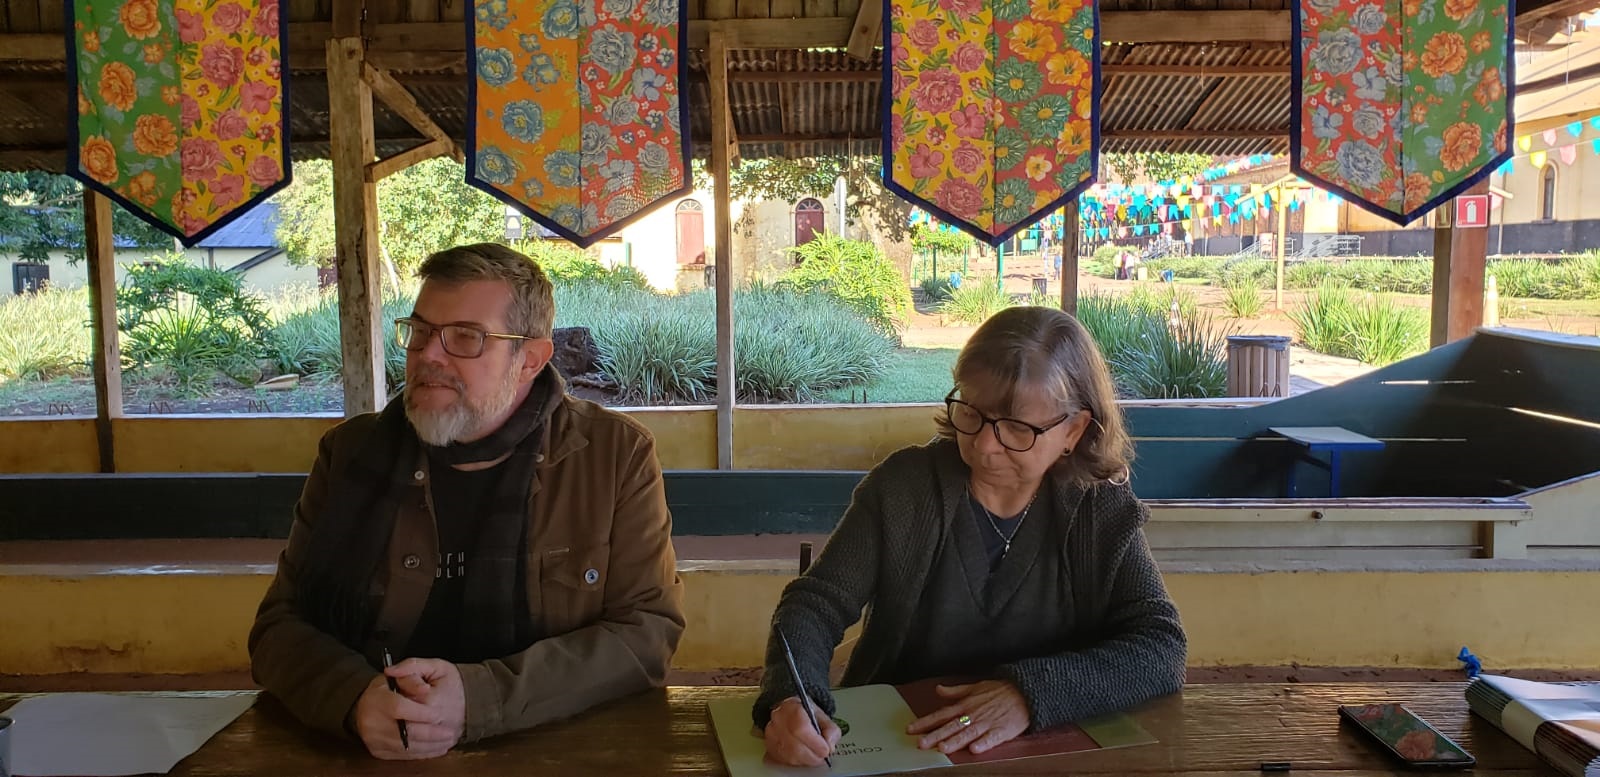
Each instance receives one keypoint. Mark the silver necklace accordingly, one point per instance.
(996, 526)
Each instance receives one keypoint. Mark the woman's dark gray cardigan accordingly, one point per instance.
(879, 558)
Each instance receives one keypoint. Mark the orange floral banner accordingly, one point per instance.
(991, 114)
(180, 107)
(575, 114)
(1401, 104)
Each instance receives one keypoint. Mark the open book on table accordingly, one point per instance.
(874, 719)
(1560, 722)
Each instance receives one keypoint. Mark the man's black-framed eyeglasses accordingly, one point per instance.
(1011, 433)
(459, 340)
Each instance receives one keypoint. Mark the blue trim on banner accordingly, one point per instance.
(541, 219)
(1297, 99)
(886, 104)
(75, 139)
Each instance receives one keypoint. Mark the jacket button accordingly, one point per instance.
(411, 561)
(418, 475)
(538, 458)
(591, 576)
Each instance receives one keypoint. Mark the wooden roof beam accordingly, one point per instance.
(397, 99)
(410, 41)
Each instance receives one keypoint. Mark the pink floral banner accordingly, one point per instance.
(992, 119)
(180, 107)
(1401, 104)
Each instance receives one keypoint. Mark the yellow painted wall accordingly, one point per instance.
(767, 437)
(1577, 185)
(197, 622)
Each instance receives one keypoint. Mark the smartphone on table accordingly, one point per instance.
(1406, 736)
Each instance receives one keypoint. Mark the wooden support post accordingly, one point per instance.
(355, 219)
(105, 352)
(717, 68)
(1459, 257)
(1069, 257)
(1278, 247)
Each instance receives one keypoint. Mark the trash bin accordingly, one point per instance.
(1258, 366)
(1041, 286)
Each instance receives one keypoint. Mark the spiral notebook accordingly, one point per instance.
(1559, 722)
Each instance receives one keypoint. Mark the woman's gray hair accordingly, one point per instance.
(532, 311)
(1037, 349)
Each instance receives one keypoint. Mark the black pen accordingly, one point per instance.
(388, 661)
(800, 688)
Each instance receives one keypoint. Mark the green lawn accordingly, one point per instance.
(917, 375)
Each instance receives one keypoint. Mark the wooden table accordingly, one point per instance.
(1332, 440)
(1213, 730)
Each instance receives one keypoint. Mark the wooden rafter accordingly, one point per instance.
(397, 99)
(867, 31)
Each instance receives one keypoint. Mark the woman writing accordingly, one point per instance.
(1011, 549)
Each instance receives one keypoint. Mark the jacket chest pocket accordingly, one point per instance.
(572, 585)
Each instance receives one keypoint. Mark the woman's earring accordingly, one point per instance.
(1066, 453)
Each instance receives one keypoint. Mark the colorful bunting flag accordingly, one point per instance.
(575, 109)
(991, 108)
(180, 107)
(1401, 105)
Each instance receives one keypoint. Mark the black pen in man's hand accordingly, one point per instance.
(388, 661)
(800, 689)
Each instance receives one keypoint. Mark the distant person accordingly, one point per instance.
(508, 544)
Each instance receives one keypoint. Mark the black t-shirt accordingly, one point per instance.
(460, 500)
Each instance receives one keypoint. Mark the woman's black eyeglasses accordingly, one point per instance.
(1012, 434)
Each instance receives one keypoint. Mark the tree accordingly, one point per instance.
(42, 212)
(1156, 165)
(422, 209)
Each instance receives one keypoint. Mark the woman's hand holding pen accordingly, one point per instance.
(981, 716)
(792, 741)
(431, 700)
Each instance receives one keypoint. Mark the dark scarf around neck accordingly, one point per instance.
(352, 533)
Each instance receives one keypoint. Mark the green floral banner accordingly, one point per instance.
(1401, 104)
(180, 107)
(992, 115)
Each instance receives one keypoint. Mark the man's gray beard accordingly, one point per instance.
(462, 418)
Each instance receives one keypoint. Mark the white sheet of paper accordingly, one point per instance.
(876, 743)
(108, 735)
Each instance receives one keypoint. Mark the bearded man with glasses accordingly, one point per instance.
(1009, 550)
(510, 543)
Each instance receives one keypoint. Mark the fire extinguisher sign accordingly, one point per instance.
(1472, 211)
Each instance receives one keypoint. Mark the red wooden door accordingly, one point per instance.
(691, 233)
(808, 221)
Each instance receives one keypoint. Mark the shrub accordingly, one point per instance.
(936, 289)
(1374, 330)
(856, 273)
(976, 300)
(192, 322)
(1183, 362)
(790, 345)
(1243, 299)
(44, 335)
(306, 340)
(563, 262)
(1239, 270)
(1151, 359)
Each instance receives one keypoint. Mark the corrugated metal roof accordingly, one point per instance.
(806, 113)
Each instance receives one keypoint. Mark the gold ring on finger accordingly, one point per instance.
(964, 720)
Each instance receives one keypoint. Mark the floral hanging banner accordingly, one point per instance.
(575, 109)
(991, 112)
(1401, 104)
(180, 107)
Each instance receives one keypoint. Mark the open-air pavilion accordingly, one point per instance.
(1477, 516)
